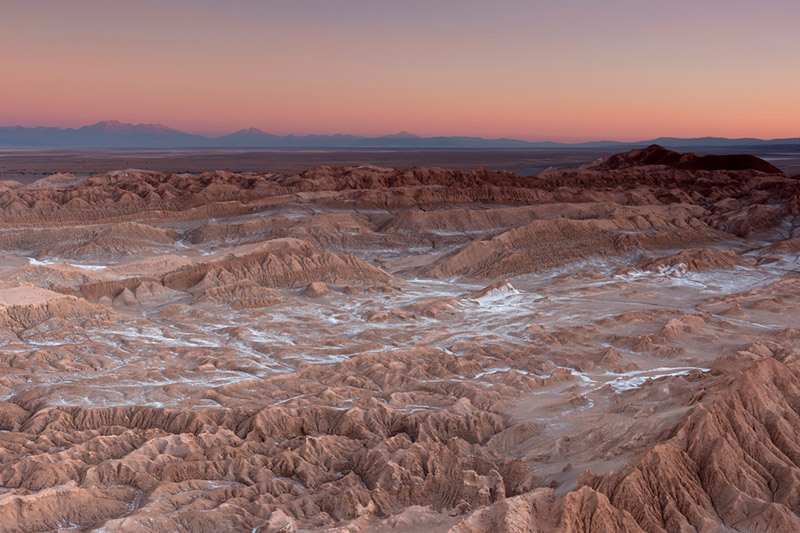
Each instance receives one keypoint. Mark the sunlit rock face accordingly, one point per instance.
(612, 348)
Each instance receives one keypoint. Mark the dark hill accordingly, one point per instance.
(658, 155)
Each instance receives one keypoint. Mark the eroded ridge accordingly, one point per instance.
(611, 348)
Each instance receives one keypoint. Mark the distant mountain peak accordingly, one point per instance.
(251, 131)
(124, 128)
(402, 135)
(114, 133)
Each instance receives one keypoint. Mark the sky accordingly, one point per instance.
(562, 70)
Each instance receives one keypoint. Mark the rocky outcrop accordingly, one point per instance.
(285, 263)
(655, 155)
(696, 259)
(728, 463)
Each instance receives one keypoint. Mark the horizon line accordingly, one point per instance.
(411, 135)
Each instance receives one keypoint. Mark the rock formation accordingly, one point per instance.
(609, 348)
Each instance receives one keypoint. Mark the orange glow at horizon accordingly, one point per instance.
(547, 72)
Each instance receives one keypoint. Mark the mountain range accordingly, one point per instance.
(114, 134)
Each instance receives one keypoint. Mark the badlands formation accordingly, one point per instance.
(610, 348)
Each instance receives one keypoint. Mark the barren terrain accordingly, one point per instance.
(29, 164)
(605, 348)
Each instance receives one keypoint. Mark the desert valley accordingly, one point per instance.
(605, 348)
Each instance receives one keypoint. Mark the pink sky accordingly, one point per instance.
(567, 70)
